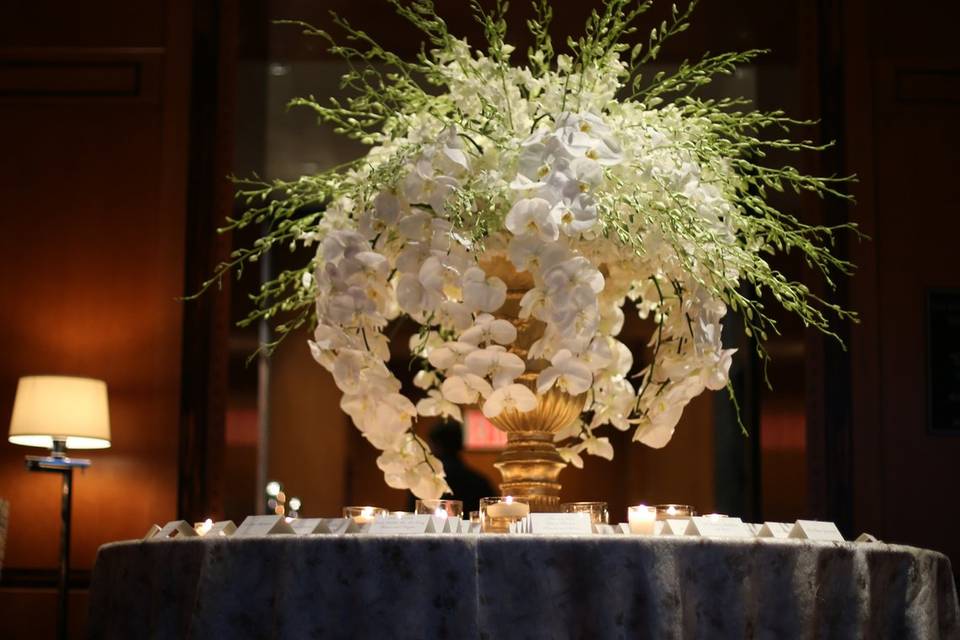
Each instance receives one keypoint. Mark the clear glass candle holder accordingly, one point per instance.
(642, 519)
(474, 517)
(364, 515)
(498, 513)
(674, 512)
(440, 508)
(599, 514)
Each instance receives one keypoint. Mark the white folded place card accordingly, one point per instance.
(604, 529)
(866, 537)
(709, 527)
(309, 526)
(175, 529)
(577, 524)
(624, 527)
(152, 531)
(816, 530)
(775, 530)
(474, 527)
(753, 527)
(222, 528)
(255, 526)
(408, 525)
(338, 525)
(673, 527)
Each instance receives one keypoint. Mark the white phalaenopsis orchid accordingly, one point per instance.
(597, 188)
(569, 374)
(513, 397)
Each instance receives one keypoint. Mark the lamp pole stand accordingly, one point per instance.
(58, 462)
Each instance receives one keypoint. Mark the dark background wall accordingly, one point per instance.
(117, 120)
(94, 115)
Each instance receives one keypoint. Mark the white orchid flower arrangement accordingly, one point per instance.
(606, 186)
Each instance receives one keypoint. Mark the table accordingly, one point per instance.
(519, 586)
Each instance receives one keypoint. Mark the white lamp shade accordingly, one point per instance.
(49, 407)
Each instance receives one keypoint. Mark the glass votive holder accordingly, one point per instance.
(597, 510)
(474, 517)
(400, 514)
(364, 515)
(498, 513)
(642, 519)
(440, 508)
(674, 512)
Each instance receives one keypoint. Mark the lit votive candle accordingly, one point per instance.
(364, 515)
(203, 527)
(674, 511)
(642, 519)
(598, 512)
(440, 508)
(497, 514)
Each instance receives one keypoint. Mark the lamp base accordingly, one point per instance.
(58, 462)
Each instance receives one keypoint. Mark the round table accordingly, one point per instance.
(519, 586)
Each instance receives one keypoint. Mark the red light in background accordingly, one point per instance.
(479, 433)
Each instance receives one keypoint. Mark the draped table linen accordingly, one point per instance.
(519, 586)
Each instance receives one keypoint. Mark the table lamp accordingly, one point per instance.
(60, 413)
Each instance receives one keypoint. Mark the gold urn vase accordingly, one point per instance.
(530, 465)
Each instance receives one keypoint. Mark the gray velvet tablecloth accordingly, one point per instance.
(445, 586)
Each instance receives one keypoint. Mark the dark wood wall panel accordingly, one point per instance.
(94, 101)
(901, 117)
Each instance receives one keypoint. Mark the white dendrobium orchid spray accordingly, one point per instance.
(615, 191)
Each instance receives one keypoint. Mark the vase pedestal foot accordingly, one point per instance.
(530, 467)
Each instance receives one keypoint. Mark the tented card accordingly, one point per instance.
(222, 528)
(560, 523)
(816, 530)
(717, 527)
(604, 529)
(624, 527)
(673, 527)
(309, 526)
(409, 525)
(256, 526)
(866, 537)
(338, 525)
(152, 531)
(753, 527)
(775, 530)
(175, 529)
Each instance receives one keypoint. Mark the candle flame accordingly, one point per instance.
(508, 499)
(440, 512)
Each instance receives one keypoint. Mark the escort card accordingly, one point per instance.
(717, 528)
(152, 531)
(255, 526)
(222, 528)
(672, 527)
(816, 530)
(474, 527)
(604, 529)
(338, 525)
(775, 530)
(575, 524)
(175, 529)
(866, 537)
(408, 525)
(309, 526)
(358, 527)
(624, 527)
